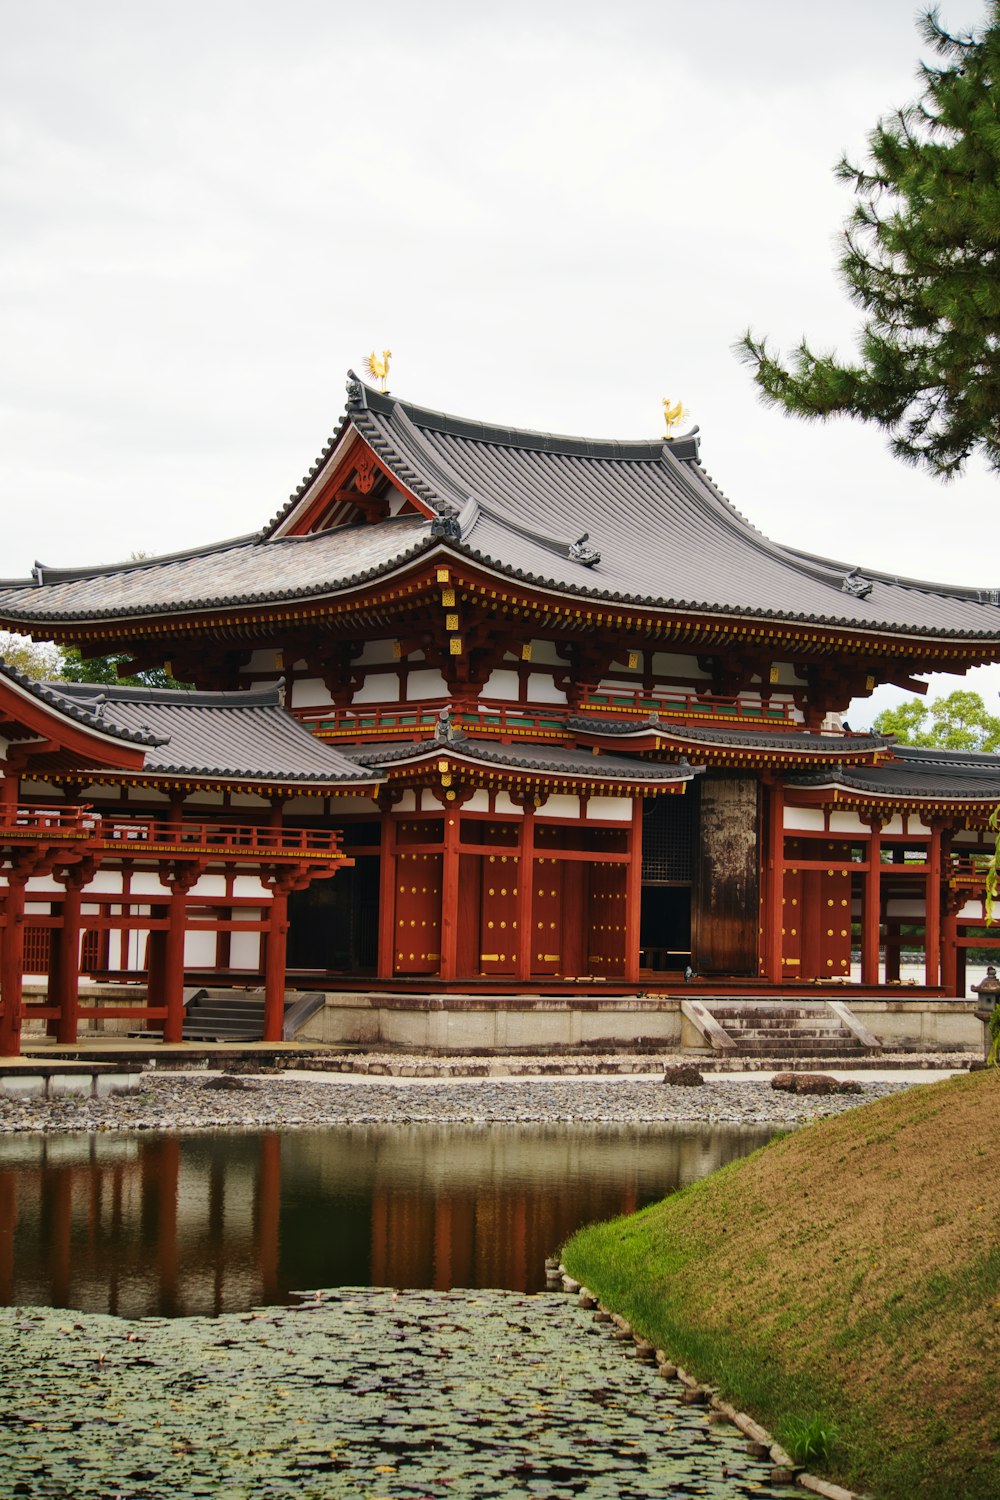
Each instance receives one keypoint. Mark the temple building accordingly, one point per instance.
(484, 711)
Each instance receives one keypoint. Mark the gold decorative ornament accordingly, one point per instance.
(377, 368)
(673, 414)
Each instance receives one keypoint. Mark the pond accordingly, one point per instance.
(172, 1225)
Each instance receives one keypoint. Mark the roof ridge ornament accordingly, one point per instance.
(356, 391)
(855, 584)
(378, 369)
(673, 416)
(581, 553)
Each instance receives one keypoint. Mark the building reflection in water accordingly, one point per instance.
(168, 1225)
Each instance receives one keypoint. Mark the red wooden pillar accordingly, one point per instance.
(954, 902)
(774, 884)
(67, 965)
(11, 967)
(525, 890)
(633, 894)
(932, 909)
(274, 964)
(449, 894)
(172, 978)
(387, 895)
(872, 912)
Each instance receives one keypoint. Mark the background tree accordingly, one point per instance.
(35, 659)
(922, 258)
(961, 721)
(76, 668)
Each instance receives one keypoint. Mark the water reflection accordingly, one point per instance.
(170, 1225)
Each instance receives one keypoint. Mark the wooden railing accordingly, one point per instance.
(242, 840)
(127, 836)
(39, 824)
(500, 717)
(968, 869)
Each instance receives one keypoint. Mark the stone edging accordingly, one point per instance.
(761, 1444)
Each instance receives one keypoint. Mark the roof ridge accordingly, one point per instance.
(260, 697)
(52, 696)
(42, 574)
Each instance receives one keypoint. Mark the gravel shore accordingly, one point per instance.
(170, 1101)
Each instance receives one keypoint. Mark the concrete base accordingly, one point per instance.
(25, 1079)
(450, 1024)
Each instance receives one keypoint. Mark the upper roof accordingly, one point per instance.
(917, 773)
(230, 736)
(637, 522)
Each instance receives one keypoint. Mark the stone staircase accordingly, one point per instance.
(781, 1029)
(224, 1016)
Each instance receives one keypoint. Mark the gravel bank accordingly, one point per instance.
(209, 1101)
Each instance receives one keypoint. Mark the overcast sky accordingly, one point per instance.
(554, 214)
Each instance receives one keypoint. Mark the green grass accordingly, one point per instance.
(843, 1285)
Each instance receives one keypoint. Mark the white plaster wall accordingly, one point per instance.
(310, 692)
(109, 881)
(354, 805)
(205, 799)
(900, 908)
(210, 885)
(972, 911)
(671, 665)
(613, 809)
(425, 683)
(545, 653)
(247, 886)
(261, 660)
(505, 808)
(145, 883)
(542, 689)
(967, 836)
(199, 949)
(478, 802)
(244, 949)
(847, 822)
(501, 684)
(894, 825)
(380, 687)
(377, 653)
(146, 794)
(560, 806)
(249, 799)
(802, 817)
(305, 807)
(407, 802)
(916, 825)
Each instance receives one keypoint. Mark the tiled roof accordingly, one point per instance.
(226, 735)
(798, 741)
(944, 775)
(543, 760)
(89, 713)
(639, 523)
(248, 571)
(665, 535)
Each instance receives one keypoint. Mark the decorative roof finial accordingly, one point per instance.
(673, 415)
(377, 368)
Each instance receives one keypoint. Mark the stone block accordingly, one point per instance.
(23, 1085)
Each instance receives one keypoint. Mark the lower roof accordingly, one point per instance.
(225, 736)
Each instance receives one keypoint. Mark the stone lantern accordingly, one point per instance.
(988, 991)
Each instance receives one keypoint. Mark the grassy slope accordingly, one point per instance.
(850, 1270)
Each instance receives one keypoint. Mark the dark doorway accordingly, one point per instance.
(669, 831)
(333, 924)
